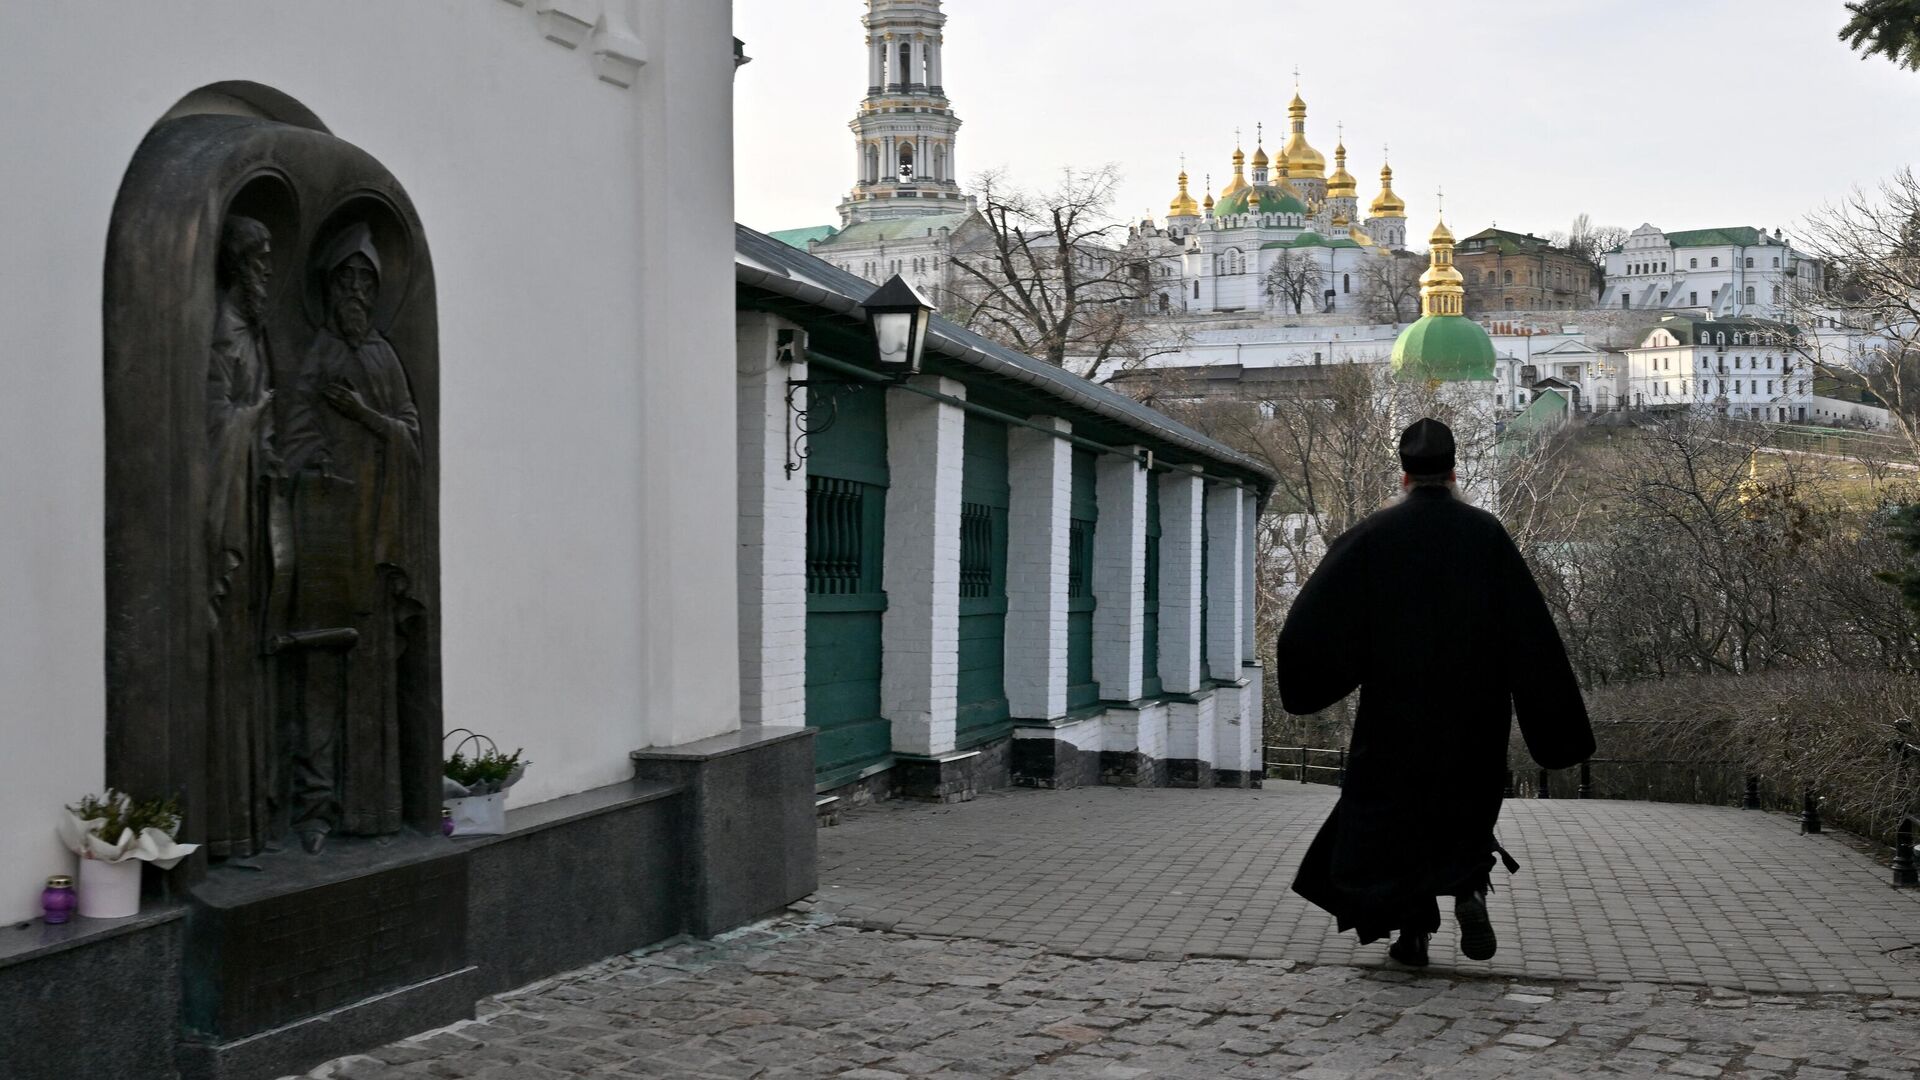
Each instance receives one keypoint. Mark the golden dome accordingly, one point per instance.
(1207, 203)
(1442, 288)
(1302, 160)
(1387, 204)
(1239, 181)
(1183, 204)
(1341, 184)
(1260, 159)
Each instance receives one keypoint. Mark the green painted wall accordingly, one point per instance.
(846, 530)
(983, 711)
(1150, 684)
(1082, 690)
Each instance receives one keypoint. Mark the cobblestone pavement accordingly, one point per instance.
(805, 998)
(1612, 890)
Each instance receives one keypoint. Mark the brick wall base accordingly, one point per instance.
(954, 777)
(1189, 773)
(1053, 763)
(1130, 768)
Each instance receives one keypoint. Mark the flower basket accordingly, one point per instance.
(109, 878)
(476, 782)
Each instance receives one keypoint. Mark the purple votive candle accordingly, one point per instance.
(57, 900)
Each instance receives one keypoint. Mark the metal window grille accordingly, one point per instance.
(1079, 559)
(976, 551)
(836, 514)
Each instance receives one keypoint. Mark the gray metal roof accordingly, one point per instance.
(765, 263)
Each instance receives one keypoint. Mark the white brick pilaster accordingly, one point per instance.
(772, 531)
(1119, 576)
(1226, 563)
(1249, 569)
(1040, 498)
(920, 631)
(1180, 509)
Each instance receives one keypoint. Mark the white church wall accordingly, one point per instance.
(582, 240)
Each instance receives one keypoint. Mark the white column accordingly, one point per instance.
(1226, 562)
(920, 631)
(1180, 510)
(1040, 499)
(876, 65)
(933, 61)
(772, 532)
(859, 161)
(1120, 575)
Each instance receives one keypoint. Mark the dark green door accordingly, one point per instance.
(983, 713)
(1150, 652)
(1085, 515)
(846, 526)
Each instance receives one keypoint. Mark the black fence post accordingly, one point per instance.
(1809, 813)
(1303, 765)
(1546, 791)
(1904, 872)
(1752, 800)
(1586, 779)
(1343, 766)
(1508, 794)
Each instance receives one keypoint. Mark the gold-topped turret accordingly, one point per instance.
(1341, 185)
(1388, 204)
(1442, 290)
(1239, 180)
(1183, 204)
(1303, 161)
(1207, 203)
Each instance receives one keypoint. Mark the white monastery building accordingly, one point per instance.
(1746, 368)
(1738, 272)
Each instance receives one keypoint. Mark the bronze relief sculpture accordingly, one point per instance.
(273, 653)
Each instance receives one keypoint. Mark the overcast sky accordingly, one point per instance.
(1685, 113)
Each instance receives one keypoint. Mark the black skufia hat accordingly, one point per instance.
(1426, 448)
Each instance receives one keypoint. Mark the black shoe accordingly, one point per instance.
(1410, 949)
(1476, 930)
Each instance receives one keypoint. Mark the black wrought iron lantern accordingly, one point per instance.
(899, 317)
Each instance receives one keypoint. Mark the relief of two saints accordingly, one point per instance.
(311, 531)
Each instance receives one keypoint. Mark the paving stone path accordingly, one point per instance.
(800, 999)
(1147, 934)
(1608, 890)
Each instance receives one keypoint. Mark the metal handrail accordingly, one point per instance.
(1269, 760)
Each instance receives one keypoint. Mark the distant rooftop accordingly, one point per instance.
(800, 238)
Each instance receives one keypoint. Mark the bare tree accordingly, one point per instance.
(1390, 286)
(1871, 244)
(1295, 278)
(1050, 278)
(1588, 241)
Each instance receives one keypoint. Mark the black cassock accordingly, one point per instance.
(1428, 608)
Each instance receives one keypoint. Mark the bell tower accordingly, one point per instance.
(903, 135)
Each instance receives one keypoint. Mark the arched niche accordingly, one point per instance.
(242, 150)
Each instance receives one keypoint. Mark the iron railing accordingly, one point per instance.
(1276, 759)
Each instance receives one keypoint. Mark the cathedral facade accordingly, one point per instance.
(1284, 237)
(1288, 239)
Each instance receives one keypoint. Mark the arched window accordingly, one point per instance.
(1749, 294)
(1509, 278)
(906, 64)
(1196, 290)
(1715, 261)
(1165, 303)
(906, 161)
(1346, 283)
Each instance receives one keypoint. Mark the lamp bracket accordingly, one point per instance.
(806, 420)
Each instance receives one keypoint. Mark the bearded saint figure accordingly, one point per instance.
(240, 748)
(353, 447)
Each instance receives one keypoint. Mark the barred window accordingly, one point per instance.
(976, 550)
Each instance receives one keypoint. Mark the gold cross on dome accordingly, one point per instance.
(1259, 132)
(1440, 200)
(1236, 138)
(1296, 78)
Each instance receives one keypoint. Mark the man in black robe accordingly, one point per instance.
(1429, 610)
(353, 449)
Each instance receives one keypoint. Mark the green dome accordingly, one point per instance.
(1272, 201)
(1450, 348)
